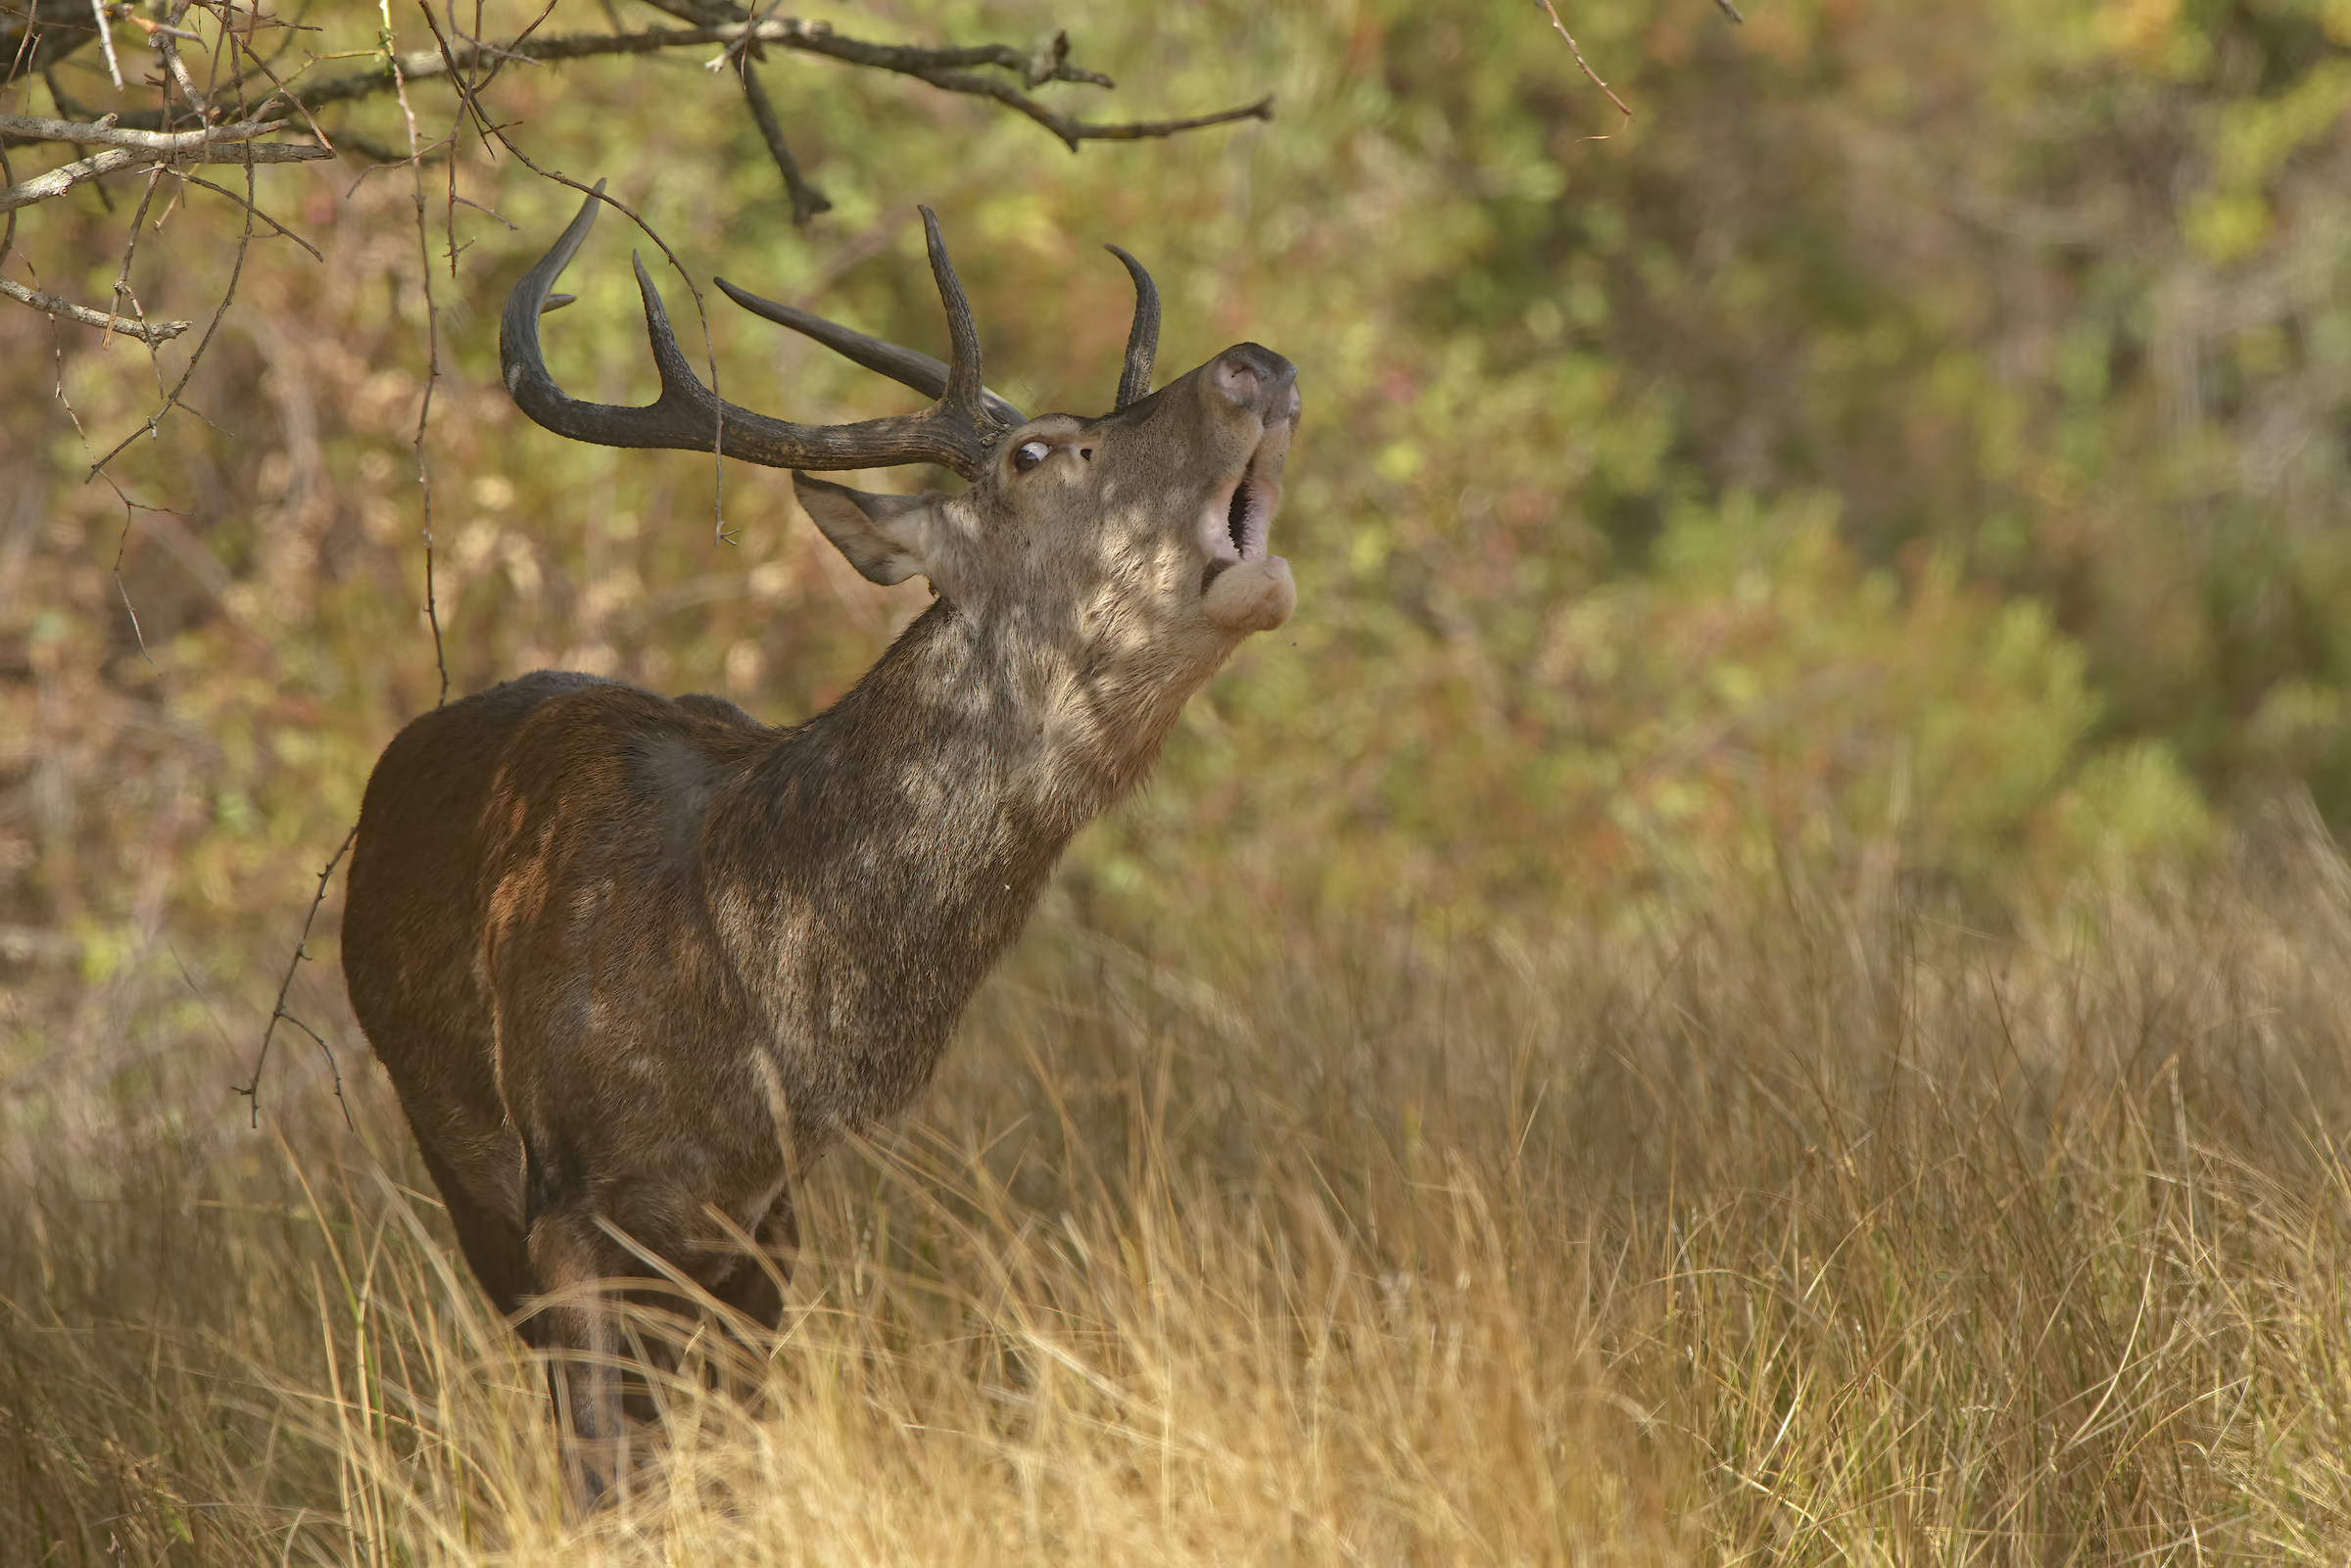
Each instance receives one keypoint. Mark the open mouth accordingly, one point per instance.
(1236, 522)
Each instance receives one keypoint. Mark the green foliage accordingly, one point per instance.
(1756, 696)
(1916, 433)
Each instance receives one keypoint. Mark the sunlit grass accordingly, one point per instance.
(1810, 1228)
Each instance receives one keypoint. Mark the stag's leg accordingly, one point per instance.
(494, 1247)
(571, 1258)
(753, 1287)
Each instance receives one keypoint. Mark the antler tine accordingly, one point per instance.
(660, 423)
(963, 334)
(527, 380)
(689, 416)
(1142, 339)
(907, 366)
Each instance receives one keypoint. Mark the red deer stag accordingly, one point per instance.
(620, 953)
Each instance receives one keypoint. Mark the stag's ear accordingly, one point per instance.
(886, 537)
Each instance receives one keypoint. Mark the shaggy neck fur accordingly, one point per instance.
(901, 838)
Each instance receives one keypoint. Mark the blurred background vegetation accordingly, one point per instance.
(1729, 898)
(1915, 438)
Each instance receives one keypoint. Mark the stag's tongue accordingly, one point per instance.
(1254, 596)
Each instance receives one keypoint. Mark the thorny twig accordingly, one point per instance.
(123, 547)
(284, 231)
(122, 289)
(228, 296)
(251, 1091)
(109, 131)
(492, 131)
(168, 47)
(432, 348)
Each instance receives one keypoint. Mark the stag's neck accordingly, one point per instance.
(968, 730)
(870, 869)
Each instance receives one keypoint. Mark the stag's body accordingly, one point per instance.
(695, 923)
(630, 959)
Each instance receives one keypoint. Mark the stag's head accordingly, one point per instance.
(1133, 538)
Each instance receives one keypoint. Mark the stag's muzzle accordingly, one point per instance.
(1248, 589)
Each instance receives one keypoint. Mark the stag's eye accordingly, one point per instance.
(1031, 454)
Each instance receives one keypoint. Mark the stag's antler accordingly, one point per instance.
(956, 432)
(907, 366)
(927, 376)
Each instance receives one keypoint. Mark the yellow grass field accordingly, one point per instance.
(1814, 1226)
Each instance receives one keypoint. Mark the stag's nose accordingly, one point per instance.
(1258, 379)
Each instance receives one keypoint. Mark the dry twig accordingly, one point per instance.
(1585, 66)
(806, 199)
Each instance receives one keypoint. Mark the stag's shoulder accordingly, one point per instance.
(576, 727)
(560, 737)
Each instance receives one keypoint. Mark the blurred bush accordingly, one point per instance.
(1914, 439)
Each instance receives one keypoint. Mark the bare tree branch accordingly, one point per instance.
(1073, 131)
(228, 298)
(36, 34)
(18, 129)
(57, 182)
(806, 199)
(947, 70)
(432, 318)
(146, 332)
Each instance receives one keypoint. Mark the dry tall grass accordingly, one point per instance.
(1812, 1228)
